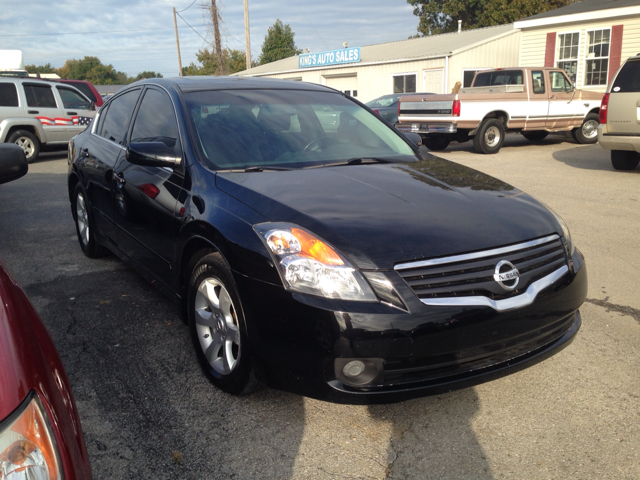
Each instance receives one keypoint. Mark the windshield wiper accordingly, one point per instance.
(353, 161)
(262, 169)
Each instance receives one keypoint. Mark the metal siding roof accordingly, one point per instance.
(584, 6)
(430, 46)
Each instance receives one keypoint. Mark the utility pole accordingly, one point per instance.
(247, 41)
(216, 34)
(175, 24)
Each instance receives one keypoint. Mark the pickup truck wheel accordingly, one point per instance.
(435, 142)
(490, 136)
(28, 142)
(588, 132)
(535, 136)
(624, 160)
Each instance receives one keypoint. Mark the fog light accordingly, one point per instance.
(353, 368)
(359, 371)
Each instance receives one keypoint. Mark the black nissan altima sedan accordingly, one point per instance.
(326, 258)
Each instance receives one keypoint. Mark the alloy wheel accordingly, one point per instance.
(217, 326)
(82, 217)
(27, 145)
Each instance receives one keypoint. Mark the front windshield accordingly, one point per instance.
(240, 129)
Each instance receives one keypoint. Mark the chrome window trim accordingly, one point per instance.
(527, 298)
(476, 255)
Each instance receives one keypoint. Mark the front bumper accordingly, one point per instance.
(300, 343)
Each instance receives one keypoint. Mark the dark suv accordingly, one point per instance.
(619, 129)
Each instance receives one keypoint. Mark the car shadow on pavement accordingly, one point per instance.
(588, 157)
(146, 409)
(432, 438)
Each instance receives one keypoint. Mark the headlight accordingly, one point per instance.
(27, 445)
(307, 264)
(565, 231)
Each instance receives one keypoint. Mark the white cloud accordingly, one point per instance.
(145, 38)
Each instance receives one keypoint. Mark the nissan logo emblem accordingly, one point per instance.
(507, 275)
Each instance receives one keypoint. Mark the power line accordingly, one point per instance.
(178, 12)
(194, 29)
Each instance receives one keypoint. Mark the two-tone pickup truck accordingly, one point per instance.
(531, 101)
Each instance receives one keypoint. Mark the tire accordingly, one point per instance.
(85, 228)
(624, 160)
(535, 136)
(489, 137)
(217, 327)
(588, 131)
(435, 142)
(29, 143)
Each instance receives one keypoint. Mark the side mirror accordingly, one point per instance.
(152, 154)
(92, 106)
(13, 162)
(414, 138)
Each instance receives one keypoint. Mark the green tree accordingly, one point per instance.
(232, 61)
(90, 69)
(47, 68)
(441, 16)
(278, 44)
(146, 74)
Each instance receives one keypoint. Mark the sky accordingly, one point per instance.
(139, 35)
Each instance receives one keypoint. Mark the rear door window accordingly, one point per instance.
(628, 80)
(116, 120)
(72, 99)
(39, 96)
(8, 95)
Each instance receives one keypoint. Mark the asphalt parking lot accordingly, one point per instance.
(148, 412)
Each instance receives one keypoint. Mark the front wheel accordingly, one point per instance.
(624, 160)
(489, 137)
(588, 131)
(28, 142)
(435, 142)
(85, 226)
(217, 327)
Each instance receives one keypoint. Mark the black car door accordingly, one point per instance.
(101, 152)
(146, 217)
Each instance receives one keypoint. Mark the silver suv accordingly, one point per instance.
(36, 112)
(619, 129)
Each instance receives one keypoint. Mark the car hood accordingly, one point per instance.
(383, 214)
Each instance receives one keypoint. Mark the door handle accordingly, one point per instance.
(119, 178)
(552, 97)
(33, 111)
(72, 113)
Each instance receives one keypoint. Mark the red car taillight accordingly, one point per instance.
(398, 107)
(455, 112)
(604, 106)
(377, 111)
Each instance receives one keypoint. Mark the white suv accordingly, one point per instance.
(36, 112)
(619, 129)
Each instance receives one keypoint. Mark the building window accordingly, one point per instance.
(597, 61)
(404, 83)
(568, 46)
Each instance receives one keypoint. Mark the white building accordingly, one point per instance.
(427, 64)
(589, 39)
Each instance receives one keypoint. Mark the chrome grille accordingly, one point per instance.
(471, 274)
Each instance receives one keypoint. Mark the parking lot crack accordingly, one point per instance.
(394, 446)
(613, 307)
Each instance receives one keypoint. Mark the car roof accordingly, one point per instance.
(199, 83)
